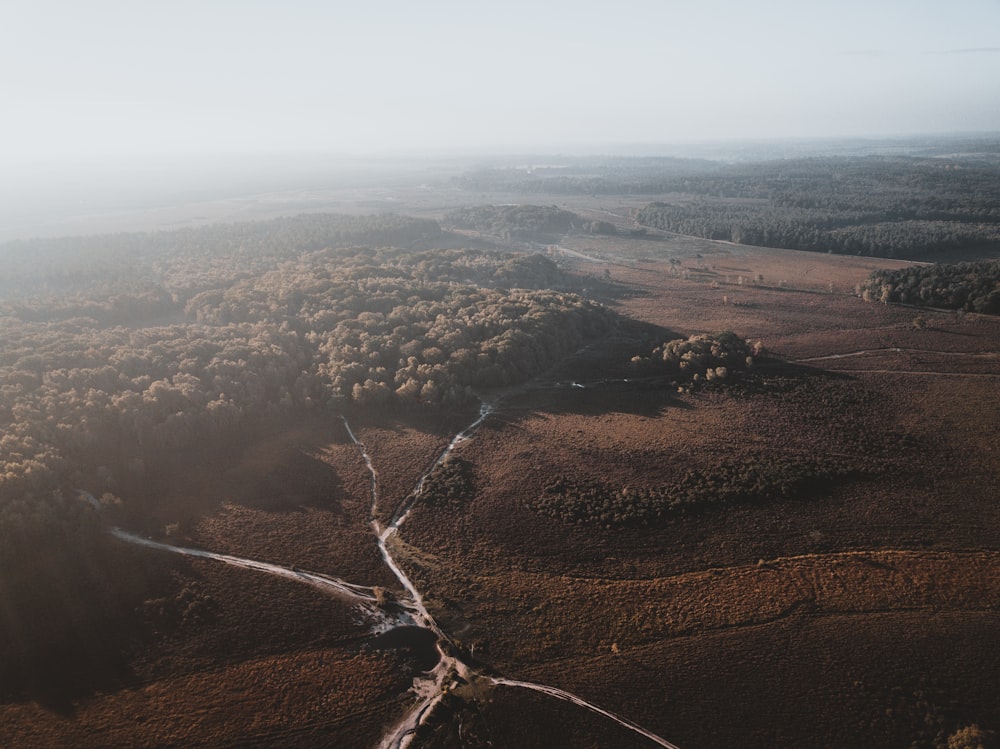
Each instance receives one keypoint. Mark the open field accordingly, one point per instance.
(857, 611)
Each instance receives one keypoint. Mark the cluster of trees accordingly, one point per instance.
(973, 287)
(532, 223)
(190, 605)
(380, 329)
(752, 481)
(973, 737)
(701, 358)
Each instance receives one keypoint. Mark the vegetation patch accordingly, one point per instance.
(450, 484)
(523, 222)
(746, 482)
(189, 606)
(972, 287)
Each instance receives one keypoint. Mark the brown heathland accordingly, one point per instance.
(858, 612)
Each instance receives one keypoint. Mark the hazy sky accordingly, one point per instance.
(96, 77)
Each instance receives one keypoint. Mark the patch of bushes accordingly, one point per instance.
(189, 606)
(449, 484)
(748, 482)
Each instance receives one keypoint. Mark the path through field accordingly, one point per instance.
(451, 670)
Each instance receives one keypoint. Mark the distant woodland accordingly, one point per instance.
(971, 287)
(531, 223)
(590, 176)
(890, 207)
(885, 206)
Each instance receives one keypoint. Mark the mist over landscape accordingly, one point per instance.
(440, 375)
(109, 105)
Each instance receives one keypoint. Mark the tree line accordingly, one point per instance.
(972, 287)
(845, 231)
(888, 206)
(191, 259)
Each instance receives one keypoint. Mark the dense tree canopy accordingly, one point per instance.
(973, 287)
(700, 358)
(889, 206)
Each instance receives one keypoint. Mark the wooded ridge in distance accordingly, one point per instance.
(887, 206)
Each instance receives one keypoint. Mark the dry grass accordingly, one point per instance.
(303, 699)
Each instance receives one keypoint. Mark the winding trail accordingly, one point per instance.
(559, 694)
(450, 670)
(579, 255)
(403, 511)
(431, 687)
(361, 594)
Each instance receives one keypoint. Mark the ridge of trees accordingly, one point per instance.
(972, 287)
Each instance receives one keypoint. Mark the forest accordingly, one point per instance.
(49, 272)
(885, 206)
(969, 287)
(331, 328)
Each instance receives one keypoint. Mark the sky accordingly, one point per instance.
(100, 78)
